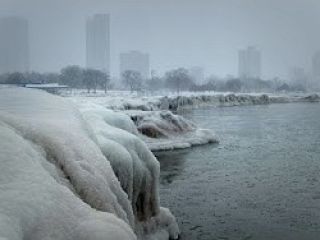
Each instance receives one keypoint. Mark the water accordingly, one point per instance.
(260, 182)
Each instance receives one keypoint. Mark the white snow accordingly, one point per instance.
(121, 100)
(162, 130)
(71, 175)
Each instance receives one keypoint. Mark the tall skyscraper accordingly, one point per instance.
(14, 45)
(315, 81)
(249, 63)
(298, 77)
(136, 61)
(316, 65)
(98, 42)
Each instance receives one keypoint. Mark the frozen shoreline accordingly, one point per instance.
(162, 130)
(123, 100)
(78, 175)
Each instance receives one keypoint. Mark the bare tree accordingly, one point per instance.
(178, 79)
(132, 79)
(104, 81)
(15, 78)
(72, 76)
(93, 79)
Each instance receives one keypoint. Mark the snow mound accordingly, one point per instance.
(221, 100)
(313, 98)
(163, 130)
(62, 177)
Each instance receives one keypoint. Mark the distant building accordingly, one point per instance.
(298, 77)
(249, 63)
(137, 61)
(197, 75)
(316, 70)
(98, 42)
(14, 45)
(316, 65)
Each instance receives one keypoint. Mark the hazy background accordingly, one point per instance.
(176, 33)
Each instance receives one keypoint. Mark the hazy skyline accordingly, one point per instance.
(175, 33)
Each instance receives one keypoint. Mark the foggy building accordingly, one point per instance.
(98, 42)
(136, 61)
(298, 77)
(249, 63)
(14, 45)
(316, 69)
(197, 75)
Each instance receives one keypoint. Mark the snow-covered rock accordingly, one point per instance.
(71, 175)
(313, 98)
(163, 130)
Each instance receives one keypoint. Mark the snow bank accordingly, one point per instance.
(162, 130)
(67, 175)
(117, 101)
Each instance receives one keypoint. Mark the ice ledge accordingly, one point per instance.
(71, 175)
(163, 130)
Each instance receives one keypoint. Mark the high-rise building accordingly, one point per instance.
(315, 82)
(136, 61)
(14, 45)
(98, 42)
(197, 74)
(249, 63)
(316, 65)
(298, 77)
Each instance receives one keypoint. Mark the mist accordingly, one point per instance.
(159, 119)
(181, 33)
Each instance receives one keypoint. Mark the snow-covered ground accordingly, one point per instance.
(78, 175)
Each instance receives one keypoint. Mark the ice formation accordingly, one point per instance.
(160, 129)
(117, 101)
(72, 175)
(163, 130)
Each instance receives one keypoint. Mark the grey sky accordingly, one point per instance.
(176, 33)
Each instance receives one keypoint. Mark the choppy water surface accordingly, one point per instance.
(261, 182)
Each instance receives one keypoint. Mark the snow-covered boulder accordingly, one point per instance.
(160, 123)
(163, 130)
(67, 175)
(313, 98)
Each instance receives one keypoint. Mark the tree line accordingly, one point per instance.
(72, 76)
(174, 80)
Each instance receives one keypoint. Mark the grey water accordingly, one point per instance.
(261, 182)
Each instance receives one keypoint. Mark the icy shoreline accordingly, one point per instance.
(129, 101)
(162, 130)
(78, 175)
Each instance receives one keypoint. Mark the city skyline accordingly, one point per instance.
(207, 33)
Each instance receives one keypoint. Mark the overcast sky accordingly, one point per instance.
(176, 33)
